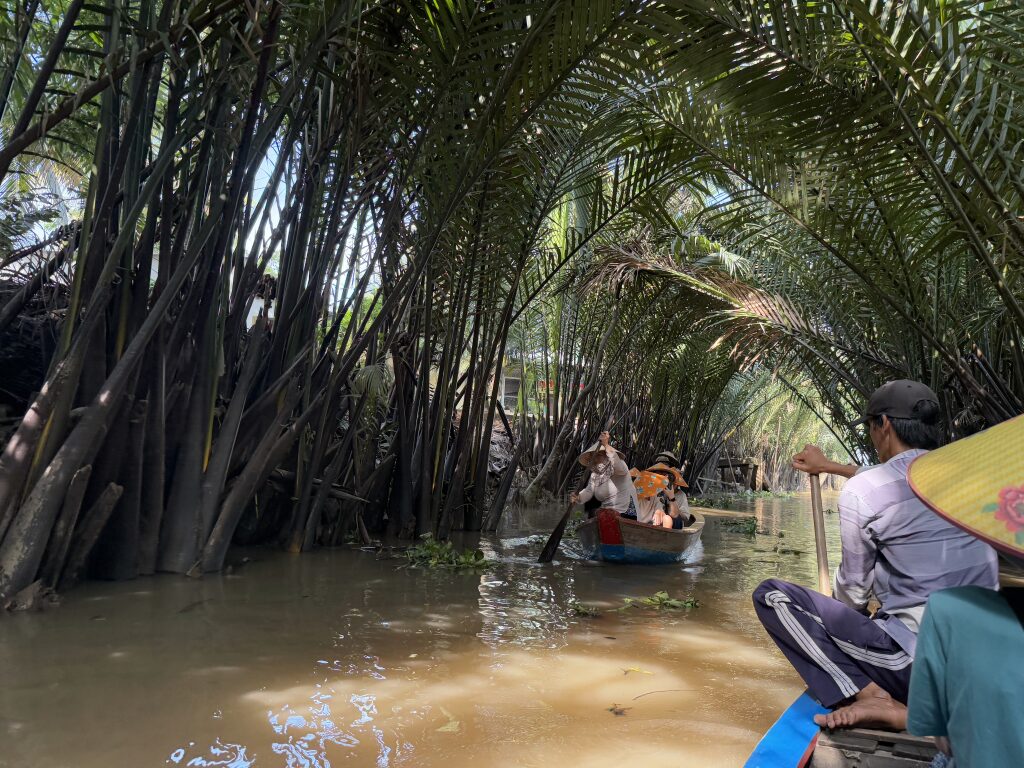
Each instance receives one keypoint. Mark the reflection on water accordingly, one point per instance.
(218, 754)
(339, 657)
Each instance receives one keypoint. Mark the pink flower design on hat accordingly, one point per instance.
(1011, 508)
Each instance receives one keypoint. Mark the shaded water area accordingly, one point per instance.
(344, 658)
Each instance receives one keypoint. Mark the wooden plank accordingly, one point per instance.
(868, 748)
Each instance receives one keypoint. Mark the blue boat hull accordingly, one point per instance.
(790, 742)
(615, 539)
(619, 553)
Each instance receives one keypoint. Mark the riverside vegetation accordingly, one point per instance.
(289, 254)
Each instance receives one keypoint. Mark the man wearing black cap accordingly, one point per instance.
(896, 400)
(895, 550)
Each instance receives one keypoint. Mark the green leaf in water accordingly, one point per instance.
(431, 553)
(660, 601)
(747, 525)
(582, 609)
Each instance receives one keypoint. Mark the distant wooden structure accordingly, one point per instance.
(746, 472)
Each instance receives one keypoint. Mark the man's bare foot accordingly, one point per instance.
(871, 707)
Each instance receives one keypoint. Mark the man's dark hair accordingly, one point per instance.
(922, 430)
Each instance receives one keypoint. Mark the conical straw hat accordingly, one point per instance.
(677, 476)
(588, 455)
(978, 484)
(648, 484)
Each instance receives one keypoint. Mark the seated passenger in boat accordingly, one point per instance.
(670, 515)
(967, 684)
(662, 502)
(669, 458)
(610, 482)
(893, 548)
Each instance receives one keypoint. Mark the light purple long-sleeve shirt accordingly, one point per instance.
(899, 550)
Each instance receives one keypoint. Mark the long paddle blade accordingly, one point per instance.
(555, 539)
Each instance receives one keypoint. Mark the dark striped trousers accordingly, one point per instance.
(836, 650)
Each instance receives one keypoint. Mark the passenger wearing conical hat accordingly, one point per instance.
(649, 487)
(662, 502)
(967, 684)
(894, 549)
(610, 482)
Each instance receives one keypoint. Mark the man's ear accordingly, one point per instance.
(885, 429)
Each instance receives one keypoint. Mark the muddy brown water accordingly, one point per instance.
(342, 658)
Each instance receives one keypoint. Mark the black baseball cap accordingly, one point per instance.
(668, 458)
(897, 399)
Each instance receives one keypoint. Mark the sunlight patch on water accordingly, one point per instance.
(218, 755)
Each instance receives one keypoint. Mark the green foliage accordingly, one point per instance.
(575, 521)
(584, 610)
(431, 553)
(873, 194)
(745, 525)
(21, 215)
(660, 601)
(781, 550)
(726, 501)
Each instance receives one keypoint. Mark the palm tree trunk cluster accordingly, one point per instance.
(372, 161)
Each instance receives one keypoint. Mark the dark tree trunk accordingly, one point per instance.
(117, 551)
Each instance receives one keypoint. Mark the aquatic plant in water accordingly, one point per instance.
(747, 525)
(582, 609)
(431, 553)
(661, 601)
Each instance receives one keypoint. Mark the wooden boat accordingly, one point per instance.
(794, 741)
(610, 537)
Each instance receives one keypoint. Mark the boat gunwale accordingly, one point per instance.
(696, 525)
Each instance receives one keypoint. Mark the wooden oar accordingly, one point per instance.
(551, 547)
(556, 535)
(824, 582)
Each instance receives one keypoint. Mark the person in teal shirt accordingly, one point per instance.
(967, 680)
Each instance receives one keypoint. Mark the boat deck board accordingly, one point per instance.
(794, 741)
(867, 748)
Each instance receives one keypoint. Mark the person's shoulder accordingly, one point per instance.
(876, 486)
(959, 602)
(863, 480)
(863, 484)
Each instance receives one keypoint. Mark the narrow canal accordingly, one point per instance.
(344, 658)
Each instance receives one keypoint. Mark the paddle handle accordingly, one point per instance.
(824, 582)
